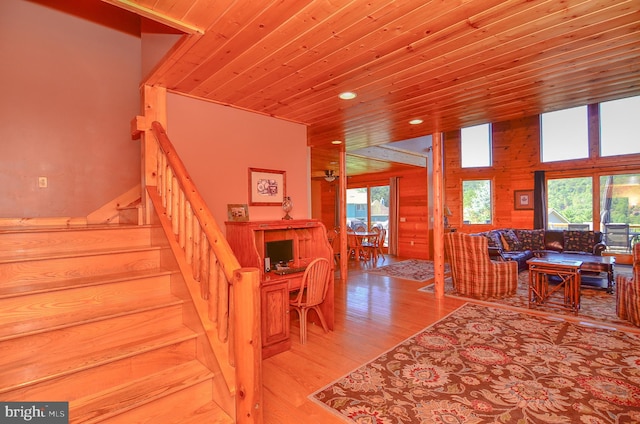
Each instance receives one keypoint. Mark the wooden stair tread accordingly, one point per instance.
(63, 284)
(61, 318)
(65, 228)
(59, 365)
(114, 401)
(12, 257)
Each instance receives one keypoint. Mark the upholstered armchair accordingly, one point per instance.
(628, 291)
(472, 270)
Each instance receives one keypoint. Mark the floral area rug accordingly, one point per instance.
(491, 365)
(596, 305)
(411, 269)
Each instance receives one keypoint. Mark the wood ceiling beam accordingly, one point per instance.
(389, 154)
(156, 16)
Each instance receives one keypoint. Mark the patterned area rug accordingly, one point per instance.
(491, 365)
(596, 305)
(411, 269)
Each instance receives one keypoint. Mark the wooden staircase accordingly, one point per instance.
(96, 316)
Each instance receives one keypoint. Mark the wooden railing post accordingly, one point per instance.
(247, 345)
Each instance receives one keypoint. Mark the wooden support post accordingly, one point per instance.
(344, 257)
(438, 213)
(154, 108)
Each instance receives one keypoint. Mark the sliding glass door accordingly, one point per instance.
(368, 207)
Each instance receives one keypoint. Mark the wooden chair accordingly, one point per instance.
(334, 241)
(354, 245)
(473, 271)
(628, 292)
(313, 290)
(373, 246)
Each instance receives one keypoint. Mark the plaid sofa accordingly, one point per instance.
(628, 291)
(521, 245)
(472, 270)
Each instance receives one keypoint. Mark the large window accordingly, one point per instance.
(570, 202)
(475, 146)
(564, 134)
(620, 127)
(476, 200)
(571, 206)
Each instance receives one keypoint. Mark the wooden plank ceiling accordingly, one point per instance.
(451, 63)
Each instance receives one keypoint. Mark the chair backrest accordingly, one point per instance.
(334, 239)
(616, 235)
(361, 227)
(352, 239)
(468, 255)
(315, 283)
(382, 236)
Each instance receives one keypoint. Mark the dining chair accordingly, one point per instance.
(334, 240)
(373, 245)
(313, 290)
(354, 245)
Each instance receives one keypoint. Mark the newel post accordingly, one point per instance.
(154, 108)
(247, 345)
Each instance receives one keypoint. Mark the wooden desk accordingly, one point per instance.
(568, 274)
(247, 240)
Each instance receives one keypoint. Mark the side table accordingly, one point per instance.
(568, 274)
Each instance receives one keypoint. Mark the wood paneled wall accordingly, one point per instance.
(516, 155)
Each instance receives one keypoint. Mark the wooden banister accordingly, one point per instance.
(227, 296)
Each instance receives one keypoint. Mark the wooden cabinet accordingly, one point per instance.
(275, 317)
(247, 239)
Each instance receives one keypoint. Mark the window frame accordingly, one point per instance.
(491, 205)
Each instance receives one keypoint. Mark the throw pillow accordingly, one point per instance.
(579, 241)
(531, 239)
(510, 240)
(494, 239)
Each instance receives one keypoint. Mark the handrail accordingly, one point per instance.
(232, 293)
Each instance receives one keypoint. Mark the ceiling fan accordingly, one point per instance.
(329, 175)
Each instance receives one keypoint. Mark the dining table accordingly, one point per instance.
(360, 238)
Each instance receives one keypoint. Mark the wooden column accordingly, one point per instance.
(438, 213)
(342, 174)
(154, 108)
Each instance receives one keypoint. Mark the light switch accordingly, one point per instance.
(43, 182)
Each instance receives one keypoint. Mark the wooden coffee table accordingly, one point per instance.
(600, 266)
(565, 272)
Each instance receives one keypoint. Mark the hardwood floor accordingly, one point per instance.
(373, 313)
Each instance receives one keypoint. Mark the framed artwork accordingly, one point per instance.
(237, 212)
(523, 199)
(266, 187)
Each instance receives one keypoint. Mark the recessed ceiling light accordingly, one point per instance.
(416, 121)
(347, 95)
(336, 142)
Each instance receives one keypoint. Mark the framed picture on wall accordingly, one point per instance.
(523, 199)
(237, 212)
(266, 187)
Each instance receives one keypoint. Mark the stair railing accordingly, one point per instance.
(232, 293)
